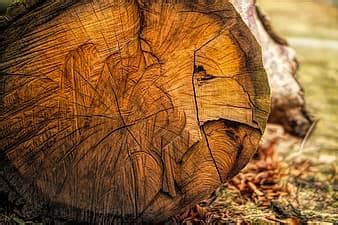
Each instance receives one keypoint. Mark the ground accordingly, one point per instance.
(299, 182)
(313, 20)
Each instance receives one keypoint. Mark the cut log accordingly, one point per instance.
(127, 112)
(288, 106)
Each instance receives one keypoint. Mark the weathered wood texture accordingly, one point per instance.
(127, 111)
(288, 106)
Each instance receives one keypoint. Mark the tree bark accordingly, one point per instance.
(288, 106)
(127, 112)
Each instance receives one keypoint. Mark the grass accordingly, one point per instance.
(296, 192)
(319, 76)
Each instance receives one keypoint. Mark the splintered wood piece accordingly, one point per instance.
(127, 112)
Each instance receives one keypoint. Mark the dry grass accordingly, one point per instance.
(272, 191)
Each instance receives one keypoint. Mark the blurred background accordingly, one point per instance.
(311, 27)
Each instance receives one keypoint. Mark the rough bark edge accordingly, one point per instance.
(269, 29)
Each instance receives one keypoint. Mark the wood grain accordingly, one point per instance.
(128, 112)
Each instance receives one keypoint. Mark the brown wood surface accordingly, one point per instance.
(122, 111)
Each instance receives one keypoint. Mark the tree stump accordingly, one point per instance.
(127, 111)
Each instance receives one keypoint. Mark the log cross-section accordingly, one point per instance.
(127, 112)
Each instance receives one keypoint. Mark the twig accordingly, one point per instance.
(301, 147)
(308, 133)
